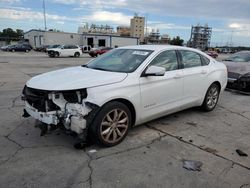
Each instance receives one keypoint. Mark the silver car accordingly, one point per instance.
(238, 66)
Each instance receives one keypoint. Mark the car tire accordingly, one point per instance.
(211, 98)
(77, 54)
(13, 50)
(27, 51)
(111, 124)
(56, 54)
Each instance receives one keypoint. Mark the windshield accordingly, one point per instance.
(239, 57)
(120, 60)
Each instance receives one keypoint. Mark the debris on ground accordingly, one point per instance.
(210, 150)
(80, 145)
(241, 153)
(192, 165)
(191, 123)
(92, 151)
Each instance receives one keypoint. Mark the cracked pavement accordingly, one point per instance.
(151, 155)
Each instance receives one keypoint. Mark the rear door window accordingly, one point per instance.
(190, 59)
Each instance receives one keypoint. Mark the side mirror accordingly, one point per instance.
(154, 71)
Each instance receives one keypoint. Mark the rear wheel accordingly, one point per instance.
(111, 124)
(211, 98)
(77, 54)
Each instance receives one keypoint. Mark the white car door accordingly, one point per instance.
(162, 94)
(63, 51)
(195, 77)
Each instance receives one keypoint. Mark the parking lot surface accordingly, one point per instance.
(151, 156)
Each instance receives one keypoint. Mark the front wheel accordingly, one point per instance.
(111, 124)
(56, 54)
(211, 98)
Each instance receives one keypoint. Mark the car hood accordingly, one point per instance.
(237, 67)
(74, 78)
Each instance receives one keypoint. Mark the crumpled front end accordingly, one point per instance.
(239, 81)
(58, 107)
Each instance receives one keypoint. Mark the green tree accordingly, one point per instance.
(177, 41)
(12, 34)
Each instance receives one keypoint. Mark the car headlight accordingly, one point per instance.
(245, 77)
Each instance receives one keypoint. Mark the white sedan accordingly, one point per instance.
(125, 87)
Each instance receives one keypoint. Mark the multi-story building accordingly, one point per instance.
(137, 25)
(200, 37)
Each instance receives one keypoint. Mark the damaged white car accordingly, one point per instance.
(125, 87)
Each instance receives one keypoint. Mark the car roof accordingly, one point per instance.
(159, 47)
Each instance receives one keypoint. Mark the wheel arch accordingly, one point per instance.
(129, 105)
(218, 84)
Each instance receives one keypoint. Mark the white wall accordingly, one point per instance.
(62, 38)
(34, 33)
(123, 41)
(48, 38)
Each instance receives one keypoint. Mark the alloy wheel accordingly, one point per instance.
(212, 97)
(114, 125)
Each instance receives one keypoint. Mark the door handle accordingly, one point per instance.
(203, 72)
(177, 76)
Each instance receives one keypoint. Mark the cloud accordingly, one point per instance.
(10, 1)
(161, 25)
(66, 2)
(240, 28)
(117, 18)
(60, 22)
(13, 14)
(214, 9)
(110, 17)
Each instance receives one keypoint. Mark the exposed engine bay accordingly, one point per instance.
(67, 108)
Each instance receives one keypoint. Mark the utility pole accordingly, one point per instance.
(146, 41)
(44, 16)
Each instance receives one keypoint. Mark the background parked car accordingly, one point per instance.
(99, 51)
(238, 66)
(4, 48)
(212, 54)
(65, 51)
(42, 48)
(19, 48)
(85, 49)
(52, 46)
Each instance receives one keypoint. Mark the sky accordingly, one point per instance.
(229, 19)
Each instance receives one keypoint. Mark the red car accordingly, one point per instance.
(212, 54)
(99, 51)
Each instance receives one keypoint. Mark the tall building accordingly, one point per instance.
(200, 37)
(137, 25)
